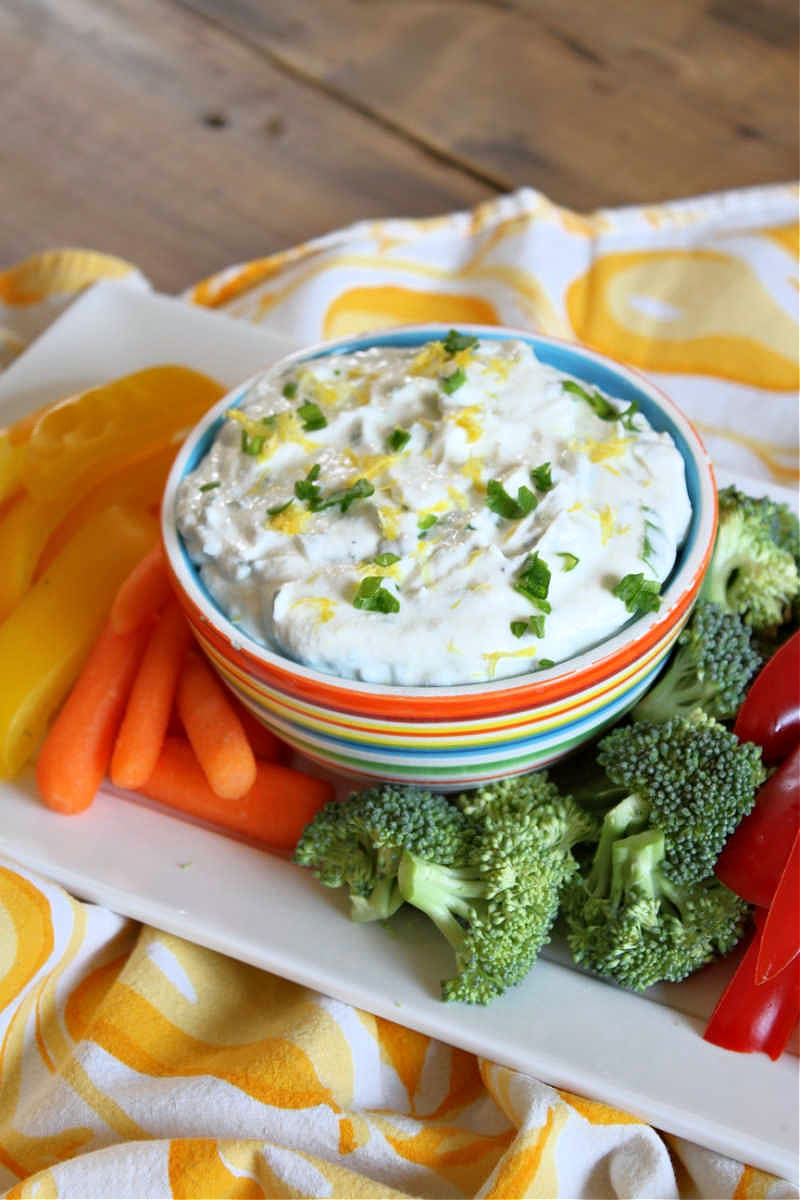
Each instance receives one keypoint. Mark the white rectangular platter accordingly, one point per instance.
(642, 1054)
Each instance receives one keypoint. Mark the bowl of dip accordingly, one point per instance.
(440, 556)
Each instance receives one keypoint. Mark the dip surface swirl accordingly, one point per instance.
(445, 514)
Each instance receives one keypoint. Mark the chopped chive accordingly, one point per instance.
(371, 596)
(570, 560)
(290, 389)
(533, 581)
(306, 489)
(252, 444)
(386, 560)
(544, 663)
(499, 501)
(650, 526)
(638, 594)
(541, 479)
(601, 407)
(427, 522)
(626, 417)
(456, 341)
(398, 439)
(536, 623)
(357, 491)
(209, 487)
(452, 382)
(312, 416)
(279, 508)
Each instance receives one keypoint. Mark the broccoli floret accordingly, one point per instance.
(487, 867)
(497, 911)
(751, 570)
(358, 843)
(627, 920)
(711, 668)
(697, 780)
(785, 529)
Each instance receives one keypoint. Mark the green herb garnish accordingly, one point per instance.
(386, 560)
(209, 487)
(626, 417)
(570, 560)
(499, 501)
(427, 522)
(544, 663)
(533, 582)
(649, 526)
(373, 597)
(306, 489)
(639, 595)
(452, 382)
(279, 508)
(541, 479)
(252, 443)
(345, 498)
(398, 439)
(312, 416)
(456, 341)
(600, 406)
(290, 389)
(534, 624)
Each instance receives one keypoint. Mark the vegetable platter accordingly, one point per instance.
(645, 1053)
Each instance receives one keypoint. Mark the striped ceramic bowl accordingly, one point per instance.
(455, 736)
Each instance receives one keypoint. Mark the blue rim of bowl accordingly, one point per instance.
(618, 381)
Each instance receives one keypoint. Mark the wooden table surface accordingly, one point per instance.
(185, 135)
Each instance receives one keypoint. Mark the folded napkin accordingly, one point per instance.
(133, 1063)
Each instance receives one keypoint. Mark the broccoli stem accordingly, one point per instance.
(679, 691)
(629, 815)
(635, 861)
(719, 577)
(382, 902)
(443, 893)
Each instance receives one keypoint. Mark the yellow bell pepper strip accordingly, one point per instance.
(140, 484)
(34, 530)
(77, 443)
(24, 530)
(12, 460)
(13, 452)
(46, 638)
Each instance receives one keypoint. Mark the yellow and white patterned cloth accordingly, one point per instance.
(136, 1064)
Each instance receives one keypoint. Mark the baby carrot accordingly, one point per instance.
(214, 730)
(142, 594)
(144, 725)
(274, 811)
(75, 754)
(264, 743)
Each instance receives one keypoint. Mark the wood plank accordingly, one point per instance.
(142, 130)
(595, 104)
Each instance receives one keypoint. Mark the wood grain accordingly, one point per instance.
(186, 135)
(142, 130)
(595, 104)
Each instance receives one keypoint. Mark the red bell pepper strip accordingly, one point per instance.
(780, 937)
(770, 715)
(754, 857)
(752, 1016)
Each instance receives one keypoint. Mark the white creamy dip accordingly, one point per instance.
(374, 515)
